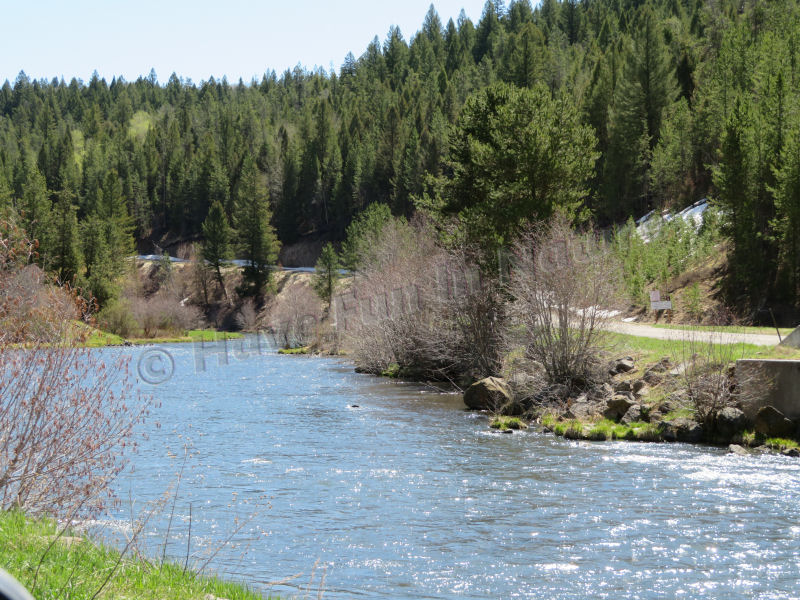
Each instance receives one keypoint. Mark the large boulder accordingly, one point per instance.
(623, 386)
(728, 422)
(583, 408)
(602, 392)
(737, 449)
(772, 423)
(633, 414)
(491, 393)
(682, 430)
(617, 407)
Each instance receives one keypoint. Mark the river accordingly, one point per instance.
(393, 490)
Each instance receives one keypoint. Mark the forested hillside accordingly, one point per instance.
(641, 105)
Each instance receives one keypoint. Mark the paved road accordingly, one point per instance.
(643, 330)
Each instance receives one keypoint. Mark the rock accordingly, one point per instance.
(602, 392)
(633, 414)
(652, 378)
(728, 422)
(654, 416)
(678, 371)
(623, 365)
(772, 423)
(738, 450)
(491, 393)
(623, 386)
(791, 452)
(639, 385)
(553, 394)
(512, 409)
(682, 430)
(617, 407)
(584, 409)
(661, 366)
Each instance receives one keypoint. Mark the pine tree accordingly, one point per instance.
(65, 248)
(258, 244)
(327, 274)
(216, 246)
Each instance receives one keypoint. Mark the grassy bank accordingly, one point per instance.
(74, 567)
(97, 338)
(784, 331)
(650, 350)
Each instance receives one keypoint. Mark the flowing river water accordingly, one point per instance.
(407, 495)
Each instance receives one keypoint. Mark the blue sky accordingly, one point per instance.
(197, 39)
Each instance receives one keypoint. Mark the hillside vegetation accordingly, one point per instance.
(617, 107)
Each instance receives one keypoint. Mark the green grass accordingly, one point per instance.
(392, 371)
(749, 438)
(780, 443)
(604, 430)
(679, 413)
(572, 429)
(299, 350)
(504, 423)
(726, 328)
(78, 569)
(97, 338)
(650, 350)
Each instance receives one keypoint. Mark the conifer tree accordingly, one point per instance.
(65, 249)
(258, 244)
(326, 274)
(215, 249)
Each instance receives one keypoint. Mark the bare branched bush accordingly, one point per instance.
(247, 316)
(294, 314)
(706, 371)
(64, 412)
(564, 286)
(385, 316)
(163, 313)
(64, 417)
(421, 308)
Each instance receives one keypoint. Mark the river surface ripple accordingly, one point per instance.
(410, 496)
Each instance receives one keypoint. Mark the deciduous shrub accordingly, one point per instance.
(65, 413)
(564, 286)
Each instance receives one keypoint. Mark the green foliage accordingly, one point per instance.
(362, 234)
(781, 444)
(503, 423)
(48, 566)
(327, 274)
(392, 371)
(216, 249)
(692, 301)
(258, 244)
(685, 100)
(517, 155)
(116, 317)
(673, 247)
(298, 350)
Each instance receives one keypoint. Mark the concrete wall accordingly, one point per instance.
(769, 383)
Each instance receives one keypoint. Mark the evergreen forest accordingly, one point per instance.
(599, 109)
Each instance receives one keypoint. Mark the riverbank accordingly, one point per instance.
(73, 566)
(96, 338)
(653, 395)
